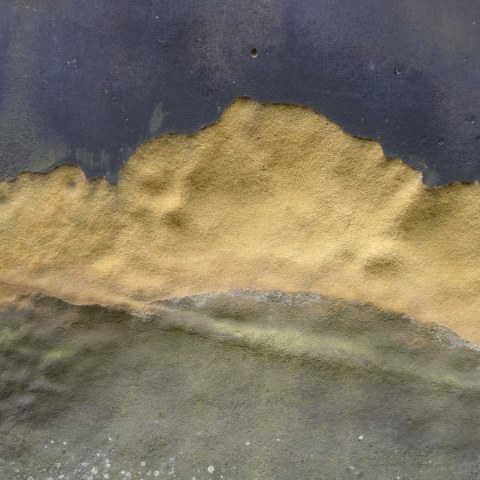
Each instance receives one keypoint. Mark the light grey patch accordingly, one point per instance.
(156, 120)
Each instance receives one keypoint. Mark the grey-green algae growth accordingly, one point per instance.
(241, 385)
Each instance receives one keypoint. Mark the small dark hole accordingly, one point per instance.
(253, 52)
(396, 71)
(441, 141)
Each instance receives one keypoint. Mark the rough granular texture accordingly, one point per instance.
(271, 197)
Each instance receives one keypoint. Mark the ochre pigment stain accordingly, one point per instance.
(271, 197)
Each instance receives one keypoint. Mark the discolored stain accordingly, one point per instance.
(234, 207)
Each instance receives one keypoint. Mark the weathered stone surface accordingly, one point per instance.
(270, 197)
(237, 385)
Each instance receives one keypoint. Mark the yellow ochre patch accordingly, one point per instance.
(270, 197)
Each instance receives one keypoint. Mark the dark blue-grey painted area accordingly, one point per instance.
(86, 81)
